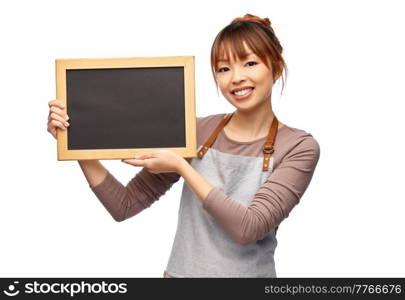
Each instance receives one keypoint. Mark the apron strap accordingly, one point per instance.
(214, 135)
(268, 149)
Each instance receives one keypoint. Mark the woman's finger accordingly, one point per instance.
(55, 123)
(135, 162)
(54, 116)
(56, 103)
(58, 111)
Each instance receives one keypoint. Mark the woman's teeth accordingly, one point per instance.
(243, 92)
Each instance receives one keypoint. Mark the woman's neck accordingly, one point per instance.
(251, 125)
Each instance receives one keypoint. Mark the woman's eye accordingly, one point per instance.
(222, 69)
(251, 63)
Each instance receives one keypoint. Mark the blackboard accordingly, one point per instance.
(120, 106)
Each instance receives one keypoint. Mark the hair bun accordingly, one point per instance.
(249, 17)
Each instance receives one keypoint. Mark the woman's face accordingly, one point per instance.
(247, 83)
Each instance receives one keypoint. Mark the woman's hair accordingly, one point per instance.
(258, 35)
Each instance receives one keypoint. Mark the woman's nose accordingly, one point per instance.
(238, 75)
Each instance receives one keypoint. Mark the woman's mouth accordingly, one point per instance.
(243, 94)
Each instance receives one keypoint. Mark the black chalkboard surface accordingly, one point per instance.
(119, 106)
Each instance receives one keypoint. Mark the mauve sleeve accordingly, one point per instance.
(123, 202)
(273, 201)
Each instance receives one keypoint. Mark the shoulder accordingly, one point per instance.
(205, 126)
(298, 143)
(209, 121)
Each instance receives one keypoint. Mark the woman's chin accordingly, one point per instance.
(245, 110)
(244, 107)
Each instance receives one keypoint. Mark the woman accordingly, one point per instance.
(250, 172)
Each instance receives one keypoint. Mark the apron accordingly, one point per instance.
(202, 248)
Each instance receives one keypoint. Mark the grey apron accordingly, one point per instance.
(202, 248)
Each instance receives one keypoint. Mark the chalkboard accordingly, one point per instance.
(120, 106)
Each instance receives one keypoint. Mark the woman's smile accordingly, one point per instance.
(242, 94)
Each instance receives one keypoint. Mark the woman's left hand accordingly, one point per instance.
(157, 161)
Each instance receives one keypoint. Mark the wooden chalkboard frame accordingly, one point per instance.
(187, 62)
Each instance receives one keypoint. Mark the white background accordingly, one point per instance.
(345, 86)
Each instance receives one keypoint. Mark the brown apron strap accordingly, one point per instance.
(267, 148)
(214, 135)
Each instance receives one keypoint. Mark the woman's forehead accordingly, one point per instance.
(228, 51)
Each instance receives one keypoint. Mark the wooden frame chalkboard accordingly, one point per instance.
(120, 106)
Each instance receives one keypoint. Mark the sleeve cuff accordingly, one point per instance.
(103, 185)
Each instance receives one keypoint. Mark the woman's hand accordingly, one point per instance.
(57, 117)
(158, 161)
(161, 161)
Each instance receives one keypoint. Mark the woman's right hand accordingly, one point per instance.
(57, 117)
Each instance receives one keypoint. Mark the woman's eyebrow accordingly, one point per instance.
(244, 56)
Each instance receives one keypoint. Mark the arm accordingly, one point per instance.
(94, 171)
(195, 181)
(271, 204)
(123, 202)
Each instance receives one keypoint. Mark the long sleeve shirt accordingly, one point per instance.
(293, 163)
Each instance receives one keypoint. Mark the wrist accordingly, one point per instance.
(183, 164)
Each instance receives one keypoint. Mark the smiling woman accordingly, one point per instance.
(250, 172)
(246, 36)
